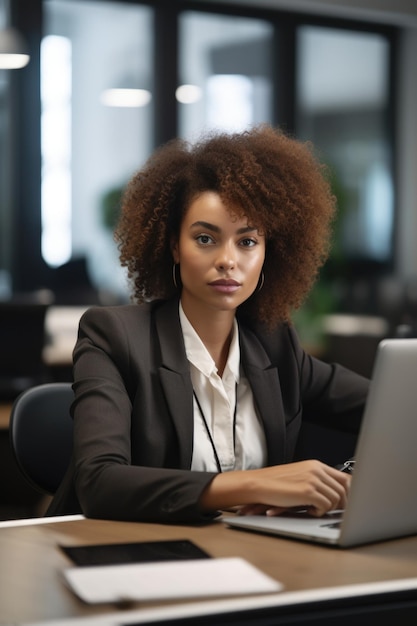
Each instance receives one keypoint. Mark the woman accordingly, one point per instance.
(190, 400)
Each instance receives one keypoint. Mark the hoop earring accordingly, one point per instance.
(174, 275)
(261, 281)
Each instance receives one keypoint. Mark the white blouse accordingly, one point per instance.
(228, 433)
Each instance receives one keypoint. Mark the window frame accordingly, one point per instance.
(28, 269)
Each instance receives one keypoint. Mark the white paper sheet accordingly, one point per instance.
(168, 580)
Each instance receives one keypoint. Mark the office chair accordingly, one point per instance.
(41, 434)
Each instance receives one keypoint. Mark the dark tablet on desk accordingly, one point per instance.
(139, 552)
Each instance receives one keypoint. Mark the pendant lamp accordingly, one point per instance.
(14, 53)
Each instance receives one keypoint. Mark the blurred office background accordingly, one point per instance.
(340, 76)
(108, 81)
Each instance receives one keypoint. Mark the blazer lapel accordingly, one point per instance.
(175, 377)
(264, 381)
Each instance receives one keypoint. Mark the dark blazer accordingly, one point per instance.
(133, 411)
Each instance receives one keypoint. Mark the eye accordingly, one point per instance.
(204, 240)
(248, 242)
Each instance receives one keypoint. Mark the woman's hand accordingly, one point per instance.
(271, 490)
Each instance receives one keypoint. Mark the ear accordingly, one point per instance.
(174, 250)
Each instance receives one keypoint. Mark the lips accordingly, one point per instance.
(227, 282)
(225, 285)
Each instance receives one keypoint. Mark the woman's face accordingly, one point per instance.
(220, 256)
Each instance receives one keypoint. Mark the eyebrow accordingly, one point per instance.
(216, 229)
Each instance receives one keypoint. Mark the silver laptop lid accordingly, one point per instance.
(383, 498)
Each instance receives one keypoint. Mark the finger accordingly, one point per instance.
(253, 509)
(341, 489)
(334, 485)
(329, 495)
(274, 511)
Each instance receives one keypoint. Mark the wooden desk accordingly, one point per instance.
(32, 590)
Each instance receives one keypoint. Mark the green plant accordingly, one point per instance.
(110, 207)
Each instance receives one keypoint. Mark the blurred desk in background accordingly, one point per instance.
(22, 338)
(352, 340)
(5, 408)
(61, 327)
(345, 324)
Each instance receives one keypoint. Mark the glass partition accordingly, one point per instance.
(96, 77)
(225, 71)
(5, 279)
(343, 96)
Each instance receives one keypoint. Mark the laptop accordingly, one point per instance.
(382, 502)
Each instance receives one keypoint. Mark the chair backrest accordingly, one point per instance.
(41, 434)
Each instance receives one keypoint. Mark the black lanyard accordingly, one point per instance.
(216, 456)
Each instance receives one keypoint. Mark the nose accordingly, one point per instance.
(226, 259)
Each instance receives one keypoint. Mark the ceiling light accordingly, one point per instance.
(13, 50)
(126, 97)
(188, 94)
